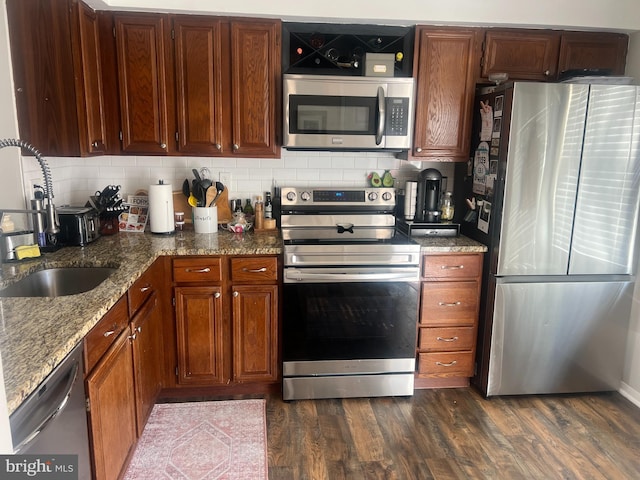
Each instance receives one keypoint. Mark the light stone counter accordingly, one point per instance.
(37, 333)
(459, 244)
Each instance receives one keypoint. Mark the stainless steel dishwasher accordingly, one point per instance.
(53, 419)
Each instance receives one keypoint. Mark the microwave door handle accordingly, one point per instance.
(381, 115)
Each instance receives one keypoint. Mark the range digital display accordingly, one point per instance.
(338, 196)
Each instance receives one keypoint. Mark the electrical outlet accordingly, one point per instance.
(225, 178)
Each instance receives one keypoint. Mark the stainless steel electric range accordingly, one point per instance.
(350, 295)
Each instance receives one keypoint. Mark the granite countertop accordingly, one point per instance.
(37, 333)
(459, 244)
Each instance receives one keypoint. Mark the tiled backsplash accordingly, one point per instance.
(75, 179)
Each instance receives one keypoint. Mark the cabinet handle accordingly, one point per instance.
(139, 329)
(163, 145)
(256, 270)
(95, 144)
(108, 333)
(450, 364)
(445, 304)
(452, 267)
(236, 146)
(197, 270)
(450, 339)
(547, 73)
(235, 294)
(419, 150)
(145, 288)
(217, 295)
(218, 146)
(133, 336)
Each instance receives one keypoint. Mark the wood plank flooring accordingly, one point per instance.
(454, 434)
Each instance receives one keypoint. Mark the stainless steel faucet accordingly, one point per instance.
(53, 226)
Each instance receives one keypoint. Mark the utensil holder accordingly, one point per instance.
(205, 219)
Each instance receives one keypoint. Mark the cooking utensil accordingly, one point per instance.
(196, 174)
(193, 201)
(212, 194)
(186, 191)
(219, 189)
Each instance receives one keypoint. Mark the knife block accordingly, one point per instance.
(224, 211)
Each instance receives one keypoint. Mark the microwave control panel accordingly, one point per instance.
(397, 117)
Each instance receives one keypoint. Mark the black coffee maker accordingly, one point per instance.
(428, 198)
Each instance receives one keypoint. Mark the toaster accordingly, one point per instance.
(79, 226)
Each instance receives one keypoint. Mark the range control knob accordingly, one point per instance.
(373, 196)
(387, 196)
(291, 196)
(305, 196)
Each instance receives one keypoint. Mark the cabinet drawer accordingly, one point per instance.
(446, 339)
(200, 269)
(254, 269)
(454, 364)
(141, 289)
(449, 303)
(102, 335)
(451, 266)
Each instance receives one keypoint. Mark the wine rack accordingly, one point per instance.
(335, 49)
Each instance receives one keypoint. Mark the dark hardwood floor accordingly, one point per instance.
(455, 434)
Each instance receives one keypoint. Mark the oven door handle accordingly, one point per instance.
(292, 275)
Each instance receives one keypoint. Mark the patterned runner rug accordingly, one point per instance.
(203, 440)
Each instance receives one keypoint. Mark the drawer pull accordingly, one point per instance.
(256, 270)
(445, 304)
(108, 333)
(452, 267)
(450, 339)
(145, 288)
(197, 270)
(450, 364)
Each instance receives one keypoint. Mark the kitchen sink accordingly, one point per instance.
(57, 282)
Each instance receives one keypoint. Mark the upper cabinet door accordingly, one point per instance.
(89, 86)
(523, 54)
(255, 83)
(593, 50)
(446, 69)
(199, 76)
(146, 102)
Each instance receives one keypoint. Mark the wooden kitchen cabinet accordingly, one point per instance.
(145, 80)
(446, 68)
(112, 409)
(58, 78)
(523, 54)
(124, 367)
(255, 87)
(226, 326)
(593, 50)
(201, 336)
(448, 322)
(255, 319)
(544, 55)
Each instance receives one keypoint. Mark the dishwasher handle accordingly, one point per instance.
(59, 394)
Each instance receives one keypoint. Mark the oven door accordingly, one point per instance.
(350, 327)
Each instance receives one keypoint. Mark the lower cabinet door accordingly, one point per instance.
(255, 333)
(146, 330)
(200, 332)
(112, 415)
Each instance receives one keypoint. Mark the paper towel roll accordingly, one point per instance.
(161, 208)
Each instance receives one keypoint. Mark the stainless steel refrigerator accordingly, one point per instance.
(552, 189)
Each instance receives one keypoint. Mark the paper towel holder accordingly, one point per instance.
(161, 219)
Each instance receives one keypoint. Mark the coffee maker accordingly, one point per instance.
(428, 198)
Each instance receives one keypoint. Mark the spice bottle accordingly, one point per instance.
(259, 213)
(447, 207)
(268, 206)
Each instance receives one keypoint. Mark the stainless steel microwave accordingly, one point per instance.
(324, 112)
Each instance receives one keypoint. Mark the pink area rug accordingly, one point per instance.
(203, 440)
